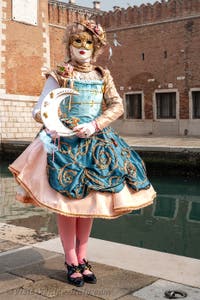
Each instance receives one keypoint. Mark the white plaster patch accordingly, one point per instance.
(13, 97)
(170, 85)
(3, 48)
(2, 26)
(2, 81)
(3, 4)
(3, 59)
(46, 44)
(180, 77)
(25, 11)
(156, 291)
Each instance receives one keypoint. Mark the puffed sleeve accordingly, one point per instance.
(50, 84)
(113, 102)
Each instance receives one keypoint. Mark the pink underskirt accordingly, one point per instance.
(29, 170)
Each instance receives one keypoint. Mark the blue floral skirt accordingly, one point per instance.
(104, 162)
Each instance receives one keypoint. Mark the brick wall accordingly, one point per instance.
(16, 118)
(149, 13)
(24, 50)
(180, 68)
(159, 51)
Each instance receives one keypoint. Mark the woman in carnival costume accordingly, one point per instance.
(93, 174)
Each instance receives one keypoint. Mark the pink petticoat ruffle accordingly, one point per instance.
(30, 171)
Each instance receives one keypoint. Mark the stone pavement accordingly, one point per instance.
(30, 272)
(38, 274)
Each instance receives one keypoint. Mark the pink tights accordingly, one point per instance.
(74, 233)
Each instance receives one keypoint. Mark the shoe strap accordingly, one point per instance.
(72, 269)
(85, 266)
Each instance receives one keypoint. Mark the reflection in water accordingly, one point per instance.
(166, 207)
(194, 212)
(14, 212)
(171, 224)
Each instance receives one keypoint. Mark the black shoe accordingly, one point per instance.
(89, 278)
(77, 281)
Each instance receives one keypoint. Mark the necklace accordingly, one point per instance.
(85, 68)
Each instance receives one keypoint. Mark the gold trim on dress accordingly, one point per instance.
(35, 201)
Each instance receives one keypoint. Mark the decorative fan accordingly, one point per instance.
(50, 110)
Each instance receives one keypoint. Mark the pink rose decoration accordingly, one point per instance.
(65, 70)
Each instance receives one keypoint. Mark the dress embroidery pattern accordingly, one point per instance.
(95, 164)
(103, 162)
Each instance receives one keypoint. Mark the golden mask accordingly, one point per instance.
(82, 40)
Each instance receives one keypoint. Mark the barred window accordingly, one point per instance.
(134, 106)
(166, 105)
(195, 212)
(196, 105)
(165, 207)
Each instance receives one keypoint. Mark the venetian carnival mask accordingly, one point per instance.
(82, 40)
(81, 46)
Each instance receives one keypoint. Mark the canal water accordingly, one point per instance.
(171, 224)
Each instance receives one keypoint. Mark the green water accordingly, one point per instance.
(171, 224)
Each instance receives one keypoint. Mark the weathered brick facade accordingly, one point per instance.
(25, 50)
(158, 52)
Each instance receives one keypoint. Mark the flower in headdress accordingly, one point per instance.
(96, 29)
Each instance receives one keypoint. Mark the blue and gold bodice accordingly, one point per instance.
(86, 106)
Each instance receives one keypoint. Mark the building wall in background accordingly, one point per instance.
(25, 51)
(158, 52)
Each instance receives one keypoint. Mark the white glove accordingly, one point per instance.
(85, 130)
